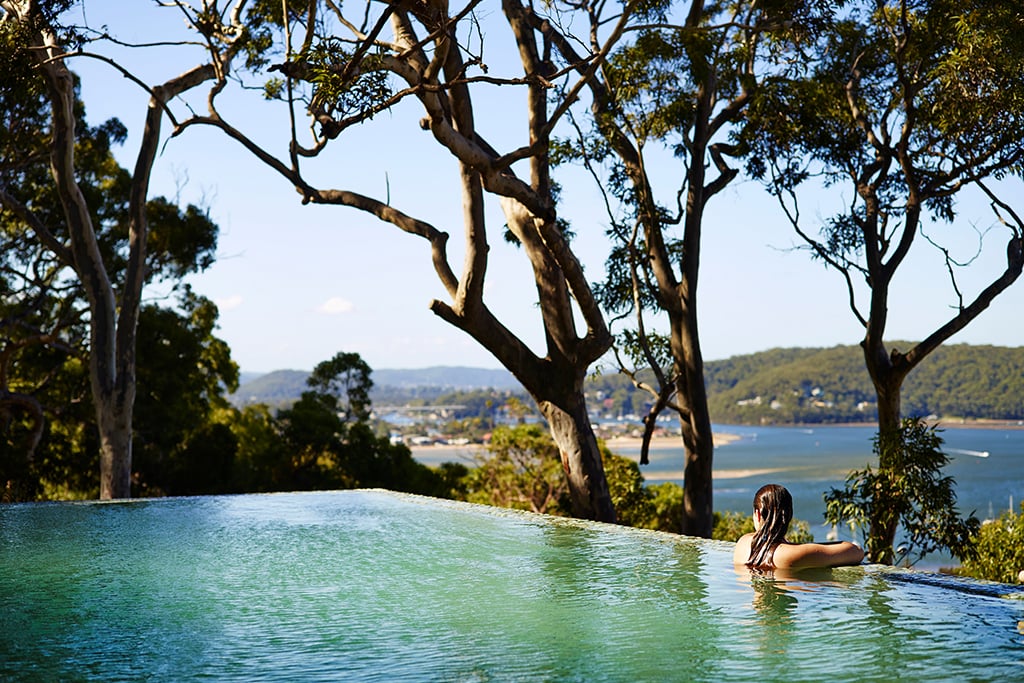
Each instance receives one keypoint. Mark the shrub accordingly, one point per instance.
(730, 525)
(668, 507)
(633, 503)
(906, 491)
(998, 549)
(523, 471)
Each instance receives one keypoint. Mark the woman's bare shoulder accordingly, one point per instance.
(741, 553)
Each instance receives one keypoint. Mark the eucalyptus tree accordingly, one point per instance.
(71, 228)
(341, 66)
(680, 85)
(906, 108)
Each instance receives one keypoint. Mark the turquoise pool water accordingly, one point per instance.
(375, 586)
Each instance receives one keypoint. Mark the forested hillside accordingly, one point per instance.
(774, 387)
(831, 385)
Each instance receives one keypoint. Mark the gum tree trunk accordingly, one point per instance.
(113, 308)
(581, 459)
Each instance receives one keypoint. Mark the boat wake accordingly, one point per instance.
(964, 451)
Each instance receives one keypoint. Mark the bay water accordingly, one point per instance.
(987, 464)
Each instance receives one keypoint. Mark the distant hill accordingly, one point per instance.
(832, 385)
(284, 386)
(445, 377)
(827, 385)
(273, 388)
(778, 386)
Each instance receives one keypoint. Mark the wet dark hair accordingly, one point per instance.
(775, 506)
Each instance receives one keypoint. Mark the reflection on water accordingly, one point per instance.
(378, 586)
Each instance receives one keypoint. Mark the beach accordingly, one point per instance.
(628, 446)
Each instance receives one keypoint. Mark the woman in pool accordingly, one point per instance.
(767, 547)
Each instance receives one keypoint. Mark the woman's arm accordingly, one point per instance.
(817, 555)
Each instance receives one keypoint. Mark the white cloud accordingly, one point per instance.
(229, 303)
(335, 306)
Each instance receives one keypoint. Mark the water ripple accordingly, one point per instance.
(374, 586)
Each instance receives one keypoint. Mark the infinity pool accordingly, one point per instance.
(377, 586)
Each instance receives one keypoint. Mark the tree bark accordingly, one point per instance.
(581, 458)
(697, 436)
(676, 293)
(113, 414)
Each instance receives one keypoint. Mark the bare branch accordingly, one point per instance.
(38, 227)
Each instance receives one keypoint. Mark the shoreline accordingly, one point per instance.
(940, 423)
(435, 454)
(662, 440)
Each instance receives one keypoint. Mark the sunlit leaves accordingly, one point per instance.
(341, 91)
(273, 88)
(906, 490)
(639, 348)
(523, 471)
(998, 549)
(935, 92)
(977, 86)
(263, 19)
(650, 88)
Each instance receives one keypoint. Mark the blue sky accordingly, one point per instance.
(296, 284)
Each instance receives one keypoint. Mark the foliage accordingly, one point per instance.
(523, 471)
(998, 549)
(730, 525)
(634, 504)
(906, 491)
(679, 86)
(324, 440)
(830, 385)
(660, 506)
(334, 64)
(667, 499)
(261, 459)
(339, 94)
(47, 431)
(180, 446)
(796, 385)
(901, 109)
(345, 378)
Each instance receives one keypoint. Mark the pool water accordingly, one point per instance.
(377, 586)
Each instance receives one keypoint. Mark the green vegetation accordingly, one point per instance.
(917, 499)
(830, 385)
(523, 472)
(89, 367)
(730, 525)
(325, 441)
(997, 552)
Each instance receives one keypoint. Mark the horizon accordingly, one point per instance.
(503, 369)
